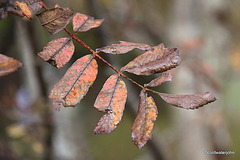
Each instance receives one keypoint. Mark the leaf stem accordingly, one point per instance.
(102, 59)
(43, 5)
(79, 41)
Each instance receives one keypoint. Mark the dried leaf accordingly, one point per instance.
(188, 101)
(158, 60)
(3, 13)
(74, 85)
(164, 77)
(82, 22)
(25, 9)
(8, 65)
(111, 99)
(142, 128)
(34, 5)
(124, 47)
(58, 52)
(55, 19)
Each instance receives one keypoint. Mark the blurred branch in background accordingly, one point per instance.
(203, 130)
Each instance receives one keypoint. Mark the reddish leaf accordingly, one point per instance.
(164, 77)
(124, 47)
(58, 52)
(188, 101)
(158, 60)
(8, 65)
(74, 85)
(142, 128)
(111, 99)
(25, 9)
(55, 19)
(34, 5)
(82, 22)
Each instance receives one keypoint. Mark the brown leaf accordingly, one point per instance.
(58, 52)
(55, 19)
(25, 9)
(34, 5)
(74, 85)
(83, 23)
(111, 99)
(188, 101)
(142, 128)
(154, 61)
(164, 77)
(124, 47)
(8, 65)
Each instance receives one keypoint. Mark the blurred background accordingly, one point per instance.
(207, 34)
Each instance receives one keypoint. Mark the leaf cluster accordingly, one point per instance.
(74, 85)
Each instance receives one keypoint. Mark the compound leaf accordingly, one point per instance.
(142, 128)
(188, 101)
(164, 77)
(111, 99)
(74, 85)
(154, 61)
(55, 19)
(83, 23)
(58, 52)
(124, 47)
(8, 65)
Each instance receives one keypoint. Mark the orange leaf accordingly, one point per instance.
(55, 19)
(164, 77)
(82, 22)
(25, 9)
(188, 101)
(142, 128)
(8, 65)
(124, 47)
(74, 85)
(154, 61)
(58, 52)
(111, 99)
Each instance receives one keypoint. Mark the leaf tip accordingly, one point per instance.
(210, 97)
(57, 105)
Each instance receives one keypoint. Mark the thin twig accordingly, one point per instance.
(102, 59)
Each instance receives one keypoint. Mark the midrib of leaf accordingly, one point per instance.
(57, 17)
(82, 25)
(145, 110)
(114, 90)
(78, 78)
(151, 61)
(54, 55)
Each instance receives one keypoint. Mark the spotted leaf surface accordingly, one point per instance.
(58, 52)
(25, 9)
(55, 19)
(111, 99)
(142, 128)
(164, 77)
(124, 47)
(83, 23)
(154, 61)
(74, 85)
(8, 65)
(188, 101)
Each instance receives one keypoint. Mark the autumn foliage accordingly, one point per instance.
(74, 85)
